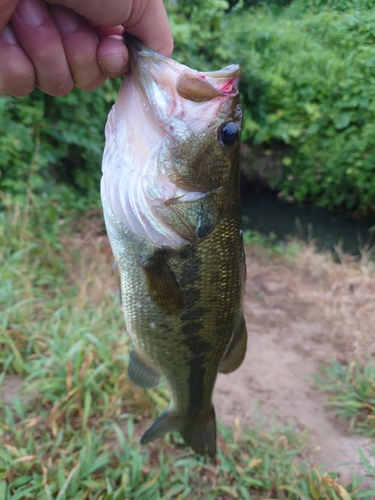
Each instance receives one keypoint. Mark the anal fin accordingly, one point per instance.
(166, 422)
(236, 352)
(162, 284)
(140, 373)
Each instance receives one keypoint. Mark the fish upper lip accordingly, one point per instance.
(231, 71)
(136, 48)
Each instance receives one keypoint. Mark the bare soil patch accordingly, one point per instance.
(301, 312)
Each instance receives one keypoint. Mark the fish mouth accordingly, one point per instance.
(189, 84)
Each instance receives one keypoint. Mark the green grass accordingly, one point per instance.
(77, 434)
(272, 244)
(351, 393)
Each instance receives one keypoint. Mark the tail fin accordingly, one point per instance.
(200, 435)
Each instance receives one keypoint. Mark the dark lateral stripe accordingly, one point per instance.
(192, 329)
(198, 348)
(196, 386)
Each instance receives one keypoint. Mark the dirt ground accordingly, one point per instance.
(301, 313)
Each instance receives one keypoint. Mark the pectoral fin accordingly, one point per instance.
(236, 351)
(162, 284)
(193, 220)
(140, 373)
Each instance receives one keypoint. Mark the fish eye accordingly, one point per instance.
(228, 134)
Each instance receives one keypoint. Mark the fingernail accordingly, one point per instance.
(31, 12)
(66, 20)
(114, 63)
(8, 36)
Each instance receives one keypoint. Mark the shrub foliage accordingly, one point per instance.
(47, 143)
(307, 86)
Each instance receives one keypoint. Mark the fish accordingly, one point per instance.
(171, 203)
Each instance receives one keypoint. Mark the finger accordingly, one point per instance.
(7, 7)
(80, 44)
(145, 19)
(113, 56)
(17, 75)
(149, 23)
(108, 13)
(40, 39)
(104, 31)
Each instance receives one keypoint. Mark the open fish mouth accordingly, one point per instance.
(193, 85)
(170, 87)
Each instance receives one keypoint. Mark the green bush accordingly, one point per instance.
(316, 6)
(197, 28)
(48, 143)
(307, 84)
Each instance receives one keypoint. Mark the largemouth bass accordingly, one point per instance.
(170, 194)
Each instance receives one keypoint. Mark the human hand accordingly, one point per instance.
(55, 47)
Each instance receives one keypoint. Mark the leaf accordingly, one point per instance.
(3, 490)
(12, 449)
(26, 458)
(342, 121)
(86, 408)
(255, 462)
